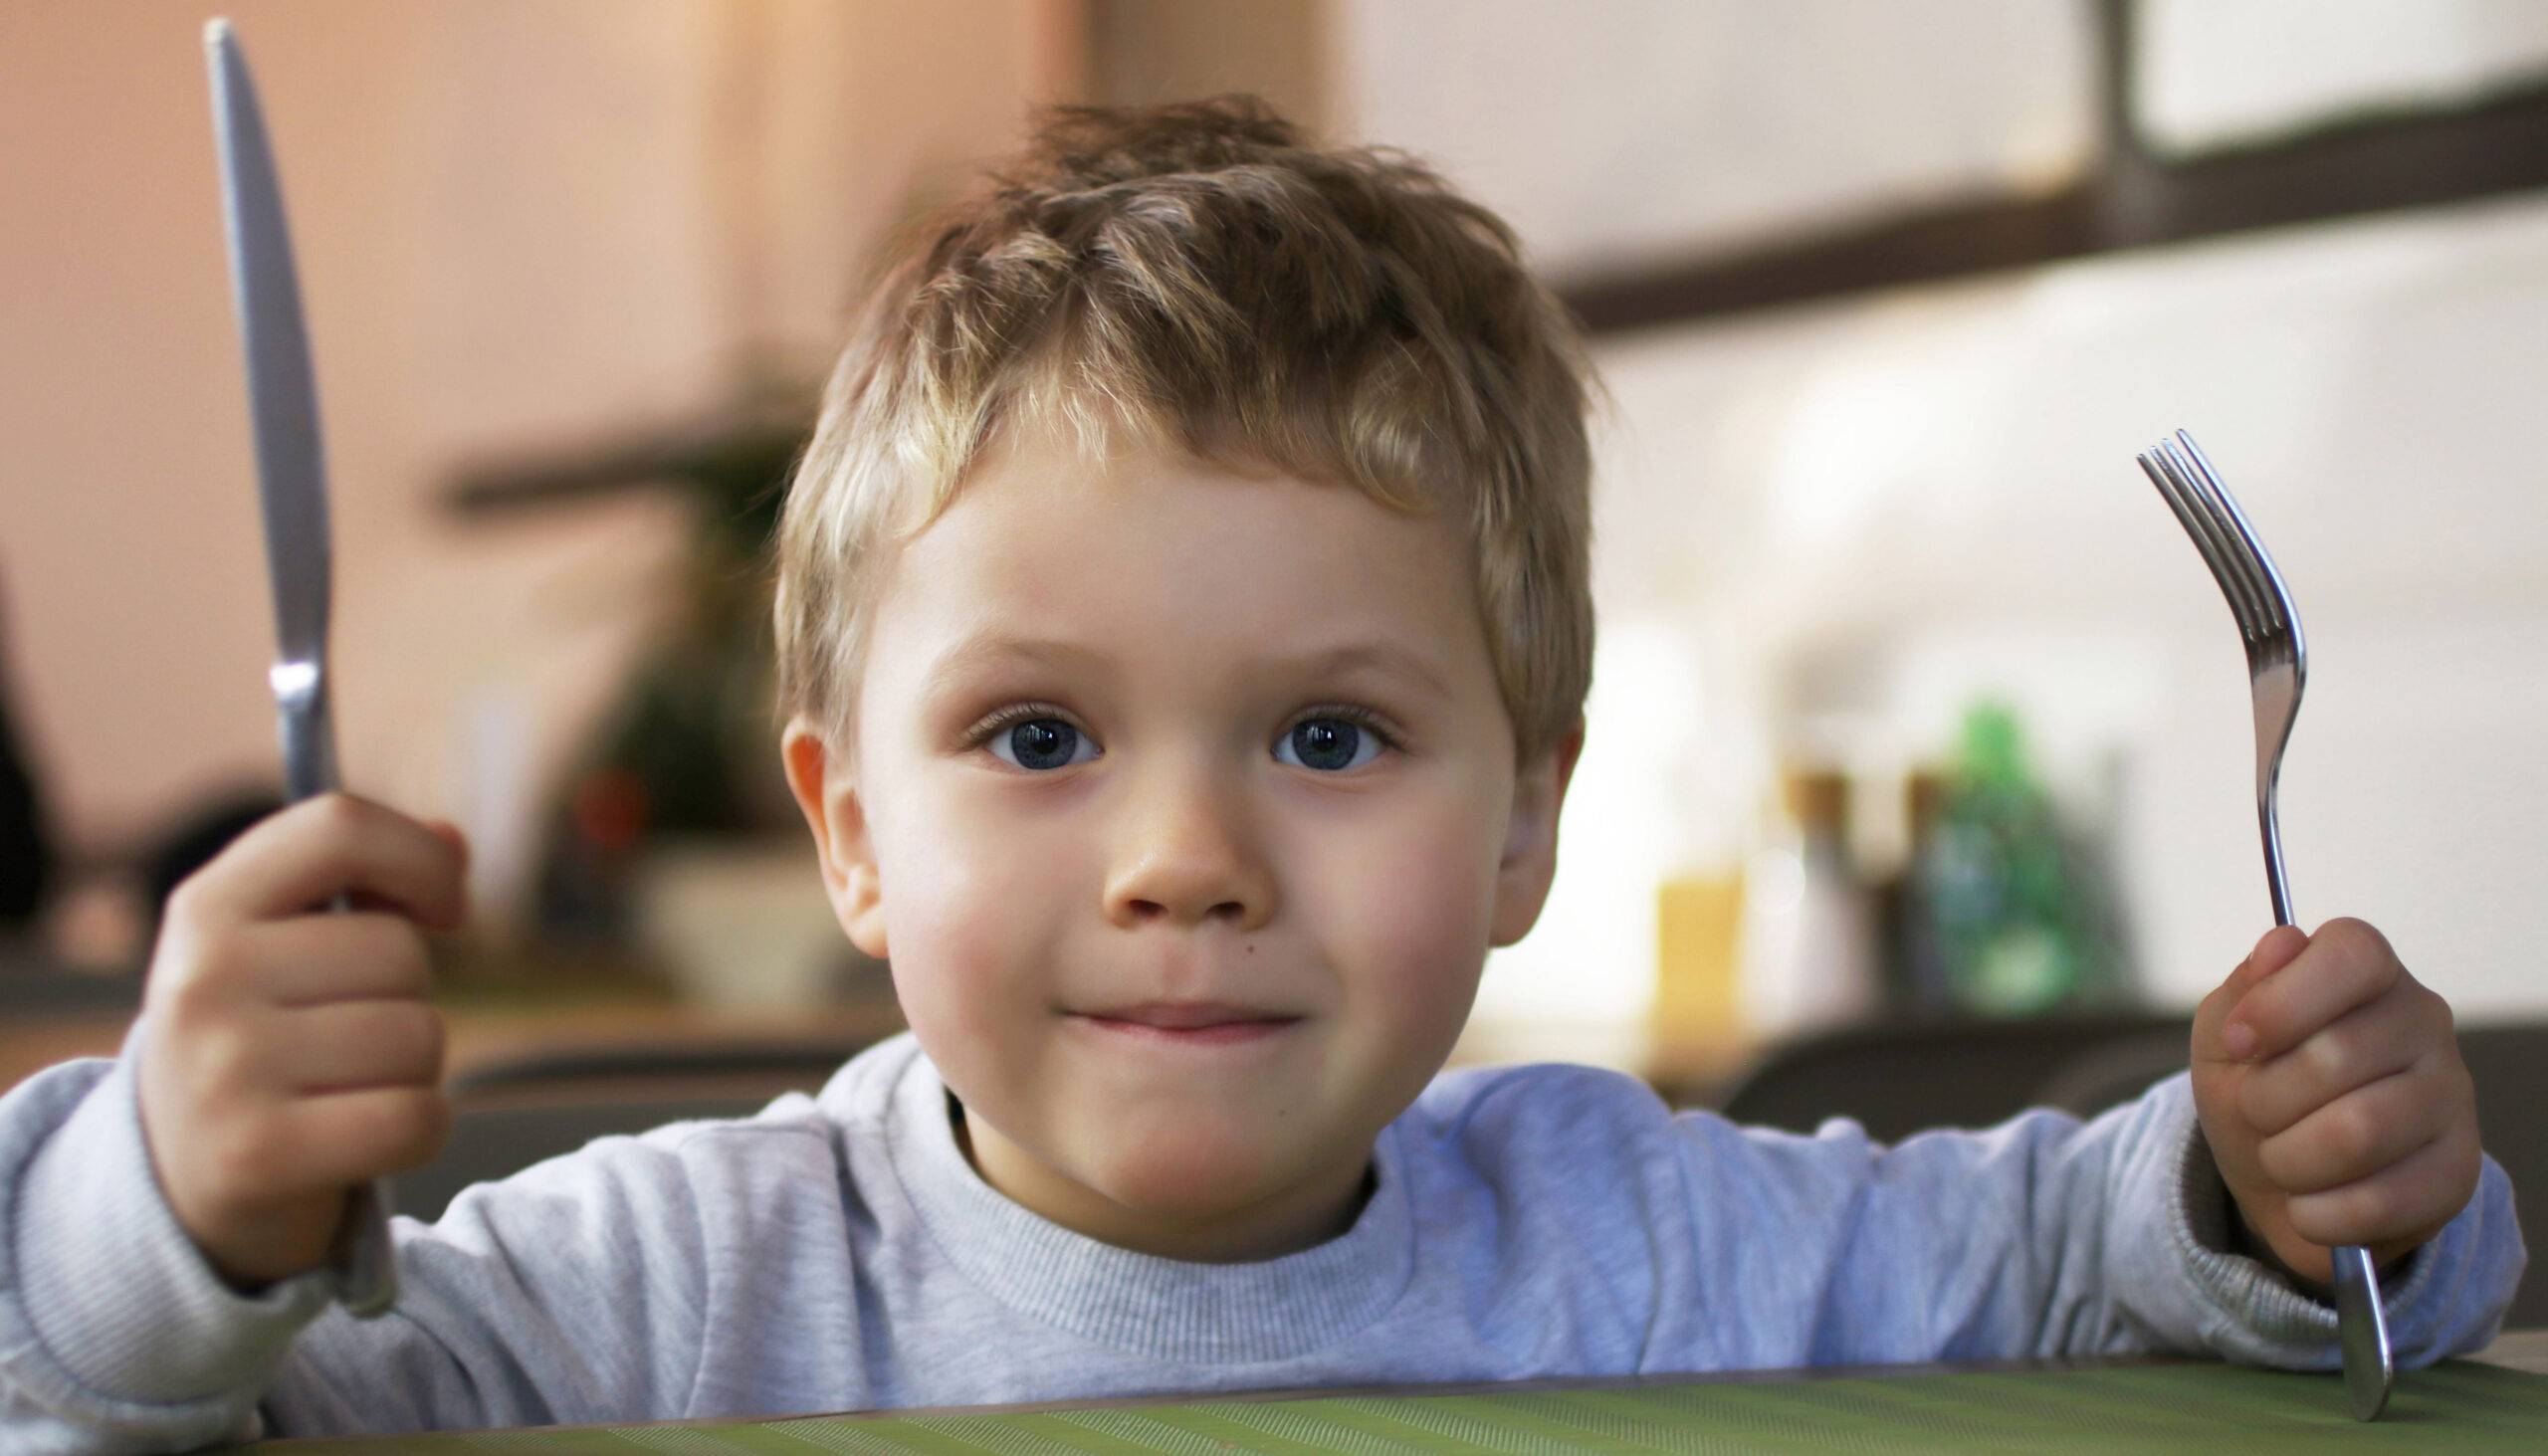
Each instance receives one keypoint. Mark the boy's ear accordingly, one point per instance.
(1528, 864)
(828, 796)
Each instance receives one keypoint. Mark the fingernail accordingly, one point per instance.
(2239, 1039)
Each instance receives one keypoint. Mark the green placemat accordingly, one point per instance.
(2455, 1407)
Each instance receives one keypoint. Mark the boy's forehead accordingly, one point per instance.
(1384, 658)
(1039, 558)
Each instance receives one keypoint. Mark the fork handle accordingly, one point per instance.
(2362, 1331)
(2274, 882)
(2361, 1327)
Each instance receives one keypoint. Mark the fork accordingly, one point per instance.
(2277, 668)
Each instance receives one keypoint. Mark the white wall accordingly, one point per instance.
(2228, 73)
(1643, 130)
(1823, 532)
(1855, 517)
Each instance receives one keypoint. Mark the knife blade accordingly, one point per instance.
(291, 481)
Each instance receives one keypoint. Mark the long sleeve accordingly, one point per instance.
(573, 1291)
(839, 1253)
(2042, 1236)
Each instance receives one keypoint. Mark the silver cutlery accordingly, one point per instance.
(2278, 669)
(283, 400)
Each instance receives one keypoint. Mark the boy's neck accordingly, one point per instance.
(1308, 1216)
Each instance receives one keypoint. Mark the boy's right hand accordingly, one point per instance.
(287, 1053)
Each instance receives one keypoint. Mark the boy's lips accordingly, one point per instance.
(1190, 1015)
(1195, 1025)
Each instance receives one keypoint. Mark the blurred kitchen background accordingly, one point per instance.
(1914, 706)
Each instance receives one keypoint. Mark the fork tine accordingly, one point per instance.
(2232, 563)
(2269, 581)
(2236, 543)
(2204, 529)
(2148, 463)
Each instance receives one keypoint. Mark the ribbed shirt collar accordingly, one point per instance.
(1167, 1309)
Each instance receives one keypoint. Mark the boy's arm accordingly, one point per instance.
(2327, 1104)
(571, 1294)
(2046, 1237)
(165, 1218)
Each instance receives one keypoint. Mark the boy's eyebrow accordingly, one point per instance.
(987, 650)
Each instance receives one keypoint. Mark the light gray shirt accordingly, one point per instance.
(837, 1252)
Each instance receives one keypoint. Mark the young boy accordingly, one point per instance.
(1183, 621)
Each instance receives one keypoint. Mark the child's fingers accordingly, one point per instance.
(2398, 1207)
(348, 1137)
(2364, 1045)
(2346, 965)
(2271, 953)
(318, 959)
(304, 856)
(345, 1046)
(2359, 1135)
(450, 833)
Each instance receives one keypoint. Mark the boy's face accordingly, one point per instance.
(1205, 907)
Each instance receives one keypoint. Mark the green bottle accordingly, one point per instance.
(2012, 923)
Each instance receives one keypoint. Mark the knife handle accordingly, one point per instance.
(366, 1272)
(309, 731)
(363, 1255)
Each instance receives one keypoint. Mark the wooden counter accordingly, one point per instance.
(483, 1033)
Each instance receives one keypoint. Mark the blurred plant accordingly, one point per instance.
(691, 730)
(685, 750)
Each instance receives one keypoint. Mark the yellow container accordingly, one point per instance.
(1698, 1004)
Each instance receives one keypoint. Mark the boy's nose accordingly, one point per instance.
(1185, 856)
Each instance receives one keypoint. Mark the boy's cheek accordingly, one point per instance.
(972, 947)
(1413, 914)
(969, 943)
(1434, 933)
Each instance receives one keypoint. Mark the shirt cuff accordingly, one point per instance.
(123, 1311)
(2446, 1298)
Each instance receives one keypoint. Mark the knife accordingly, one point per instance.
(292, 478)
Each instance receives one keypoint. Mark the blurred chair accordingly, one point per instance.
(1897, 1080)
(2507, 1060)
(2112, 1073)
(27, 849)
(33, 983)
(197, 833)
(510, 1115)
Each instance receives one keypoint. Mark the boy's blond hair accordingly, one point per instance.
(1196, 277)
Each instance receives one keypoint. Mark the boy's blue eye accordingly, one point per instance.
(1031, 738)
(1330, 743)
(1038, 743)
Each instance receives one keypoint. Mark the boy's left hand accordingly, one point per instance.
(2329, 1084)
